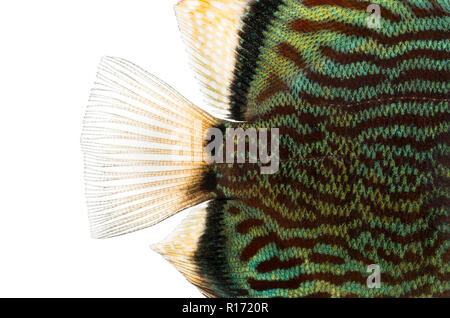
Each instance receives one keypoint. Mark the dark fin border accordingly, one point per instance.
(210, 255)
(256, 21)
(209, 178)
(209, 181)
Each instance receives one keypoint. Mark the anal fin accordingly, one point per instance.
(180, 247)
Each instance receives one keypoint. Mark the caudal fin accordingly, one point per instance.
(142, 145)
(180, 248)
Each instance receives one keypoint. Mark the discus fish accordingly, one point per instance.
(356, 93)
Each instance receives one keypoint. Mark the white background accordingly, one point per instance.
(49, 51)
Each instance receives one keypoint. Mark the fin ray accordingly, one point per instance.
(180, 247)
(142, 145)
(210, 30)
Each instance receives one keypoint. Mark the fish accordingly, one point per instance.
(351, 100)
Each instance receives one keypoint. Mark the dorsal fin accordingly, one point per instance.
(210, 29)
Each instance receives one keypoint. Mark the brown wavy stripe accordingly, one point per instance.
(415, 195)
(406, 217)
(356, 82)
(292, 223)
(430, 250)
(396, 259)
(424, 165)
(293, 205)
(423, 290)
(307, 26)
(245, 226)
(282, 111)
(275, 263)
(383, 234)
(388, 121)
(319, 295)
(423, 75)
(442, 219)
(233, 210)
(423, 146)
(443, 160)
(444, 294)
(355, 107)
(442, 181)
(389, 62)
(408, 177)
(445, 257)
(274, 86)
(351, 4)
(286, 153)
(325, 258)
(315, 136)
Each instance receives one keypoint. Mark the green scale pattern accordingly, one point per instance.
(364, 157)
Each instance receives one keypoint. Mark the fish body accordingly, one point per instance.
(362, 178)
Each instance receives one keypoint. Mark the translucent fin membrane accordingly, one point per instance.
(142, 145)
(180, 246)
(210, 30)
